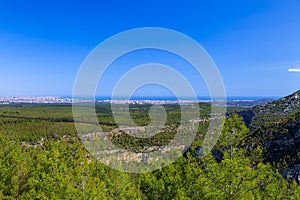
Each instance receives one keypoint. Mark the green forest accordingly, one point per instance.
(42, 157)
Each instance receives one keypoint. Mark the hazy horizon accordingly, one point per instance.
(149, 97)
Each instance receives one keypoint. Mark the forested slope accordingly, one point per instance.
(275, 127)
(41, 157)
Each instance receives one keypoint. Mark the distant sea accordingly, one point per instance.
(204, 98)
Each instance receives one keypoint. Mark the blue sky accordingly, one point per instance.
(255, 44)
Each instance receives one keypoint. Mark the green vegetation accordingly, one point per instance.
(275, 129)
(41, 157)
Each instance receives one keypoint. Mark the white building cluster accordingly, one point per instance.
(60, 100)
(33, 100)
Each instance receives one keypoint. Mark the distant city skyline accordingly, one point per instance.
(242, 101)
(255, 44)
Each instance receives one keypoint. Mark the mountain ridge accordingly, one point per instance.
(275, 126)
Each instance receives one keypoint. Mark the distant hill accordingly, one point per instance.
(273, 110)
(248, 103)
(275, 127)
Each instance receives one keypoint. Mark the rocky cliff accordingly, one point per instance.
(275, 127)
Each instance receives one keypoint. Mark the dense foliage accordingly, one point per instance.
(41, 157)
(275, 129)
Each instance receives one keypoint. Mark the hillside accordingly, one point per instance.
(275, 127)
(271, 111)
(42, 157)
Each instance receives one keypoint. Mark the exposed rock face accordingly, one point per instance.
(292, 174)
(186, 150)
(247, 115)
(275, 126)
(282, 143)
(271, 111)
(218, 155)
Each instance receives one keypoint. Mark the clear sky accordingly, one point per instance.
(255, 44)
